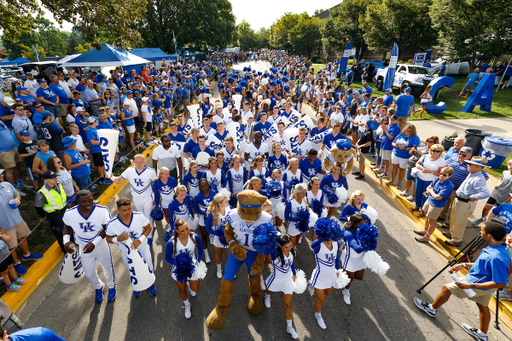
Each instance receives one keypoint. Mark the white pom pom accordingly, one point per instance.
(301, 283)
(279, 210)
(375, 263)
(195, 222)
(325, 211)
(264, 81)
(225, 191)
(313, 217)
(371, 213)
(304, 88)
(199, 271)
(342, 281)
(243, 146)
(342, 195)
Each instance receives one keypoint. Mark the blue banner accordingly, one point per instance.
(388, 82)
(175, 43)
(344, 59)
(35, 51)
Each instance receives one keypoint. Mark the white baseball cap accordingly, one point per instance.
(80, 109)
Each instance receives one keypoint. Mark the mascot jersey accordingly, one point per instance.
(243, 231)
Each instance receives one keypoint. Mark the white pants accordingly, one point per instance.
(100, 254)
(145, 205)
(144, 251)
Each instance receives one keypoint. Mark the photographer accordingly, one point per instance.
(488, 273)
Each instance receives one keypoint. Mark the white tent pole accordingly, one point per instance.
(504, 73)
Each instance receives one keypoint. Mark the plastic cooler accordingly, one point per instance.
(474, 138)
(495, 149)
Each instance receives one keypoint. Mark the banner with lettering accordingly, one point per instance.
(109, 138)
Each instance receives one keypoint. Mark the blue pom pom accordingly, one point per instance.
(332, 198)
(167, 235)
(303, 221)
(183, 267)
(293, 183)
(323, 229)
(367, 235)
(265, 238)
(221, 235)
(337, 231)
(157, 214)
(273, 188)
(317, 207)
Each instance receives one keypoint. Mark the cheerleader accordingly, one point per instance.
(267, 207)
(164, 190)
(282, 277)
(255, 184)
(352, 254)
(296, 203)
(314, 199)
(329, 184)
(355, 204)
(229, 149)
(276, 196)
(277, 160)
(237, 177)
(191, 179)
(257, 169)
(292, 176)
(202, 201)
(184, 241)
(221, 162)
(217, 214)
(325, 273)
(214, 175)
(180, 208)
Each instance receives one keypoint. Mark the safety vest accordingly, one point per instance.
(54, 200)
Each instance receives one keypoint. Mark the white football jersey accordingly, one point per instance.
(134, 229)
(140, 183)
(86, 229)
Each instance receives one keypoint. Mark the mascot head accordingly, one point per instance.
(250, 205)
(342, 152)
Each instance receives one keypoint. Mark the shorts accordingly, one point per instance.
(17, 232)
(63, 108)
(491, 202)
(402, 162)
(505, 78)
(468, 87)
(130, 129)
(482, 297)
(408, 176)
(97, 158)
(5, 264)
(149, 126)
(10, 159)
(385, 154)
(31, 175)
(361, 158)
(432, 212)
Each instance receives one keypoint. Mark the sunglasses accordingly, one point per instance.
(20, 109)
(463, 155)
(39, 106)
(429, 141)
(58, 162)
(443, 174)
(436, 151)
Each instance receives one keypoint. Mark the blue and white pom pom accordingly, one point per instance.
(371, 213)
(367, 235)
(342, 281)
(278, 210)
(273, 188)
(200, 271)
(342, 195)
(221, 235)
(324, 229)
(264, 238)
(226, 192)
(374, 262)
(301, 283)
(293, 183)
(337, 232)
(303, 221)
(157, 214)
(183, 267)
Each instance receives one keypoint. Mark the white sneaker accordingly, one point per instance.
(267, 301)
(207, 259)
(474, 332)
(504, 295)
(403, 193)
(410, 198)
(192, 292)
(188, 313)
(320, 321)
(346, 297)
(219, 273)
(292, 332)
(311, 290)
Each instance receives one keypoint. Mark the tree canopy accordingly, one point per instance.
(299, 32)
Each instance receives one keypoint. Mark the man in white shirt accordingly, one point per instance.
(133, 105)
(32, 85)
(72, 81)
(65, 86)
(168, 156)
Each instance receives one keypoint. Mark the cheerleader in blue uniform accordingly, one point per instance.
(201, 202)
(329, 184)
(282, 277)
(214, 175)
(296, 204)
(314, 199)
(221, 163)
(257, 169)
(217, 214)
(180, 208)
(184, 241)
(292, 176)
(237, 177)
(191, 178)
(276, 193)
(355, 204)
(163, 188)
(352, 254)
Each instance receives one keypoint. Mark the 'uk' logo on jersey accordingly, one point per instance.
(133, 235)
(138, 182)
(87, 227)
(330, 258)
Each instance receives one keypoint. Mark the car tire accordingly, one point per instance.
(404, 86)
(379, 84)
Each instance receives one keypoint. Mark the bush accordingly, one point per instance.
(314, 59)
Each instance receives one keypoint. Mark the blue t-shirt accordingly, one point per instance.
(92, 134)
(190, 146)
(35, 334)
(386, 142)
(59, 91)
(106, 125)
(402, 140)
(504, 211)
(473, 77)
(5, 136)
(330, 139)
(48, 95)
(451, 153)
(197, 150)
(309, 170)
(5, 111)
(27, 99)
(127, 114)
(403, 103)
(263, 128)
(443, 189)
(388, 100)
(178, 138)
(492, 265)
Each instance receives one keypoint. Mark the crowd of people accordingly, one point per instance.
(195, 181)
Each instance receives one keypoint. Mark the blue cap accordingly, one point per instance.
(41, 81)
(408, 89)
(343, 144)
(45, 114)
(68, 141)
(21, 88)
(129, 92)
(24, 133)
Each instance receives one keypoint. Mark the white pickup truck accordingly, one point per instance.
(415, 77)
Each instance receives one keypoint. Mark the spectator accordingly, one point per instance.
(31, 84)
(471, 81)
(75, 162)
(52, 132)
(72, 81)
(34, 334)
(41, 158)
(22, 122)
(363, 146)
(9, 157)
(27, 99)
(458, 143)
(7, 271)
(56, 87)
(133, 106)
(6, 111)
(404, 106)
(94, 144)
(65, 179)
(81, 122)
(80, 146)
(402, 144)
(14, 225)
(104, 122)
(27, 152)
(48, 98)
(91, 97)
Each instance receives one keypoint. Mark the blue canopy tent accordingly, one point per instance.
(108, 56)
(154, 54)
(19, 61)
(8, 61)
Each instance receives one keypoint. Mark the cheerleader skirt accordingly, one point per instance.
(323, 277)
(351, 260)
(280, 282)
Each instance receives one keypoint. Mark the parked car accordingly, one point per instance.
(374, 66)
(457, 67)
(44, 70)
(6, 79)
(16, 73)
(415, 77)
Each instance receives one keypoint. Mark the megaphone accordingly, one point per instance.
(71, 270)
(141, 277)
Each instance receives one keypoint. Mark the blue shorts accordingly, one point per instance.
(468, 87)
(233, 265)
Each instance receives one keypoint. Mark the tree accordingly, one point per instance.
(280, 31)
(406, 23)
(306, 36)
(246, 37)
(83, 48)
(14, 49)
(474, 31)
(49, 38)
(75, 39)
(27, 52)
(262, 37)
(95, 18)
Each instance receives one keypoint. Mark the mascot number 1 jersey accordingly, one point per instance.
(243, 231)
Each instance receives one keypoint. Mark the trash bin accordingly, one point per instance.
(474, 139)
(495, 149)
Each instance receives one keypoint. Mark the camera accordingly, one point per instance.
(425, 194)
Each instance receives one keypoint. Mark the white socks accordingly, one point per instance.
(219, 266)
(206, 257)
(318, 315)
(289, 323)
(186, 302)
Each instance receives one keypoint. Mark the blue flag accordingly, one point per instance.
(37, 54)
(175, 43)
(344, 59)
(388, 82)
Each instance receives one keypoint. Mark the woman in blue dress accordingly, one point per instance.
(329, 185)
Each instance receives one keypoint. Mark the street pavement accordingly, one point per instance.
(382, 306)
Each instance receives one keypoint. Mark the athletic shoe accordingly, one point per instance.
(504, 295)
(99, 294)
(311, 290)
(425, 306)
(20, 281)
(27, 187)
(13, 287)
(479, 221)
(360, 177)
(93, 187)
(356, 173)
(420, 232)
(22, 194)
(112, 293)
(152, 290)
(346, 297)
(292, 332)
(383, 175)
(219, 273)
(32, 256)
(267, 301)
(207, 259)
(149, 241)
(320, 321)
(188, 313)
(149, 144)
(452, 242)
(403, 193)
(423, 239)
(474, 332)
(410, 198)
(20, 269)
(105, 181)
(137, 294)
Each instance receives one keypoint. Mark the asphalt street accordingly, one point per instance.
(382, 306)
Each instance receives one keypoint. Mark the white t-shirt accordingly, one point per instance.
(147, 113)
(254, 151)
(65, 86)
(133, 106)
(166, 157)
(72, 83)
(140, 183)
(80, 146)
(86, 229)
(32, 87)
(135, 229)
(208, 133)
(247, 115)
(70, 118)
(430, 165)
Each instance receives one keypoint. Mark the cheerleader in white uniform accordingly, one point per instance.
(352, 254)
(329, 184)
(180, 208)
(325, 273)
(214, 175)
(257, 169)
(314, 194)
(191, 178)
(296, 203)
(292, 174)
(184, 241)
(163, 189)
(237, 177)
(276, 196)
(217, 214)
(282, 277)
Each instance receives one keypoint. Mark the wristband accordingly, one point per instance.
(142, 239)
(114, 240)
(66, 239)
(97, 240)
(464, 265)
